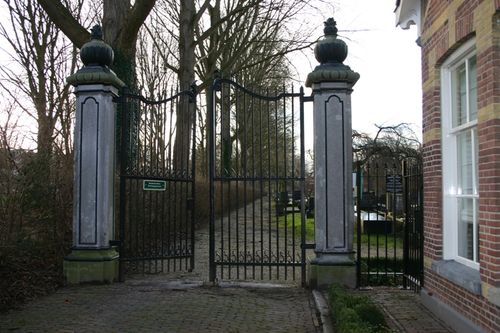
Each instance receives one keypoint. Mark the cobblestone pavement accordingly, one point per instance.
(155, 305)
(178, 301)
(405, 311)
(186, 302)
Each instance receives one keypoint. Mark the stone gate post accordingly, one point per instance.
(332, 83)
(92, 258)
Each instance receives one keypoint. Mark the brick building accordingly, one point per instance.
(460, 41)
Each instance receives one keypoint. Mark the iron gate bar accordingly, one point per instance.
(255, 255)
(302, 100)
(358, 225)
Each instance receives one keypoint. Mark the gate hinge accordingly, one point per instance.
(115, 243)
(190, 203)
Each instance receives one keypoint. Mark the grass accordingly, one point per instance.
(356, 314)
(380, 272)
(392, 242)
(382, 264)
(293, 220)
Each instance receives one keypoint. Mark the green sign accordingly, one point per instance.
(154, 185)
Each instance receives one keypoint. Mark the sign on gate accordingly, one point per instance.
(394, 183)
(154, 185)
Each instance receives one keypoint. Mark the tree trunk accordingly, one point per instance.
(185, 110)
(114, 15)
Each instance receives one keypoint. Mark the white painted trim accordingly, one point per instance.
(449, 158)
(409, 13)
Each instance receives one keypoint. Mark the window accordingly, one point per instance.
(460, 156)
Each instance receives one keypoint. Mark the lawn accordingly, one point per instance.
(293, 220)
(380, 240)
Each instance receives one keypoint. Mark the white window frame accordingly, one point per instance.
(451, 192)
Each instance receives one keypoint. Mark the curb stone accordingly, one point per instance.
(324, 311)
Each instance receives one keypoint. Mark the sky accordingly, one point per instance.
(387, 57)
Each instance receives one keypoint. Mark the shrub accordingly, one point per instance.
(35, 223)
(355, 314)
(27, 269)
(370, 313)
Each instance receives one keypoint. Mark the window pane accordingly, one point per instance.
(476, 201)
(464, 156)
(475, 161)
(459, 96)
(472, 89)
(465, 228)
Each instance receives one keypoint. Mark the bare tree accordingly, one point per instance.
(247, 37)
(121, 22)
(391, 144)
(10, 212)
(45, 59)
(35, 80)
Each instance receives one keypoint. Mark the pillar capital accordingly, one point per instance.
(331, 73)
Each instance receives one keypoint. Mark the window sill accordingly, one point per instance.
(463, 276)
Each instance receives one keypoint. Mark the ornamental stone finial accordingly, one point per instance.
(96, 56)
(331, 52)
(96, 52)
(330, 49)
(330, 27)
(96, 32)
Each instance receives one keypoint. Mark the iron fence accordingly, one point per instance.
(388, 228)
(156, 225)
(257, 182)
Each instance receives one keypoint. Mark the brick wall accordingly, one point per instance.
(447, 24)
(478, 309)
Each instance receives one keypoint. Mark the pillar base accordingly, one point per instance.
(91, 266)
(327, 269)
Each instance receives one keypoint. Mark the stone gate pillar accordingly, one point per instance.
(332, 83)
(92, 258)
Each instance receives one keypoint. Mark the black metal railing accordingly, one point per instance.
(156, 154)
(257, 220)
(414, 225)
(389, 224)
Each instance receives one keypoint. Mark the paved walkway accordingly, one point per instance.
(155, 305)
(405, 311)
(186, 302)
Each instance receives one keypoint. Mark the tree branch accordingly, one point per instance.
(134, 21)
(231, 15)
(65, 21)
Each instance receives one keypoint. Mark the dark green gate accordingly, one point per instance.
(389, 210)
(257, 174)
(156, 225)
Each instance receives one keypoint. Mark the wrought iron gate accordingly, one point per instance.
(414, 225)
(156, 226)
(257, 209)
(389, 224)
